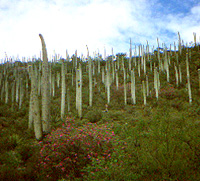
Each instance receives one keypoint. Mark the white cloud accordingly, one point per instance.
(97, 23)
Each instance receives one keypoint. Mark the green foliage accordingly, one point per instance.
(93, 115)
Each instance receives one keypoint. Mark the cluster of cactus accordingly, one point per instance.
(114, 71)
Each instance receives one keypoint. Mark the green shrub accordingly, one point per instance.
(93, 115)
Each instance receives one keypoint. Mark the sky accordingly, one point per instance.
(100, 24)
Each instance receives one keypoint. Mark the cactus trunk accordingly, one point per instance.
(45, 90)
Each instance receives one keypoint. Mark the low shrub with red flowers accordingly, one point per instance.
(67, 150)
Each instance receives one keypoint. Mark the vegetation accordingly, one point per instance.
(116, 137)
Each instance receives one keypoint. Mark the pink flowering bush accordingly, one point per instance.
(67, 150)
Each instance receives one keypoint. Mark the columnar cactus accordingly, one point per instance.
(98, 64)
(195, 39)
(50, 79)
(147, 85)
(53, 84)
(176, 75)
(58, 79)
(125, 94)
(144, 92)
(68, 100)
(90, 78)
(166, 67)
(13, 94)
(179, 43)
(21, 93)
(188, 79)
(79, 90)
(17, 87)
(72, 77)
(117, 80)
(133, 86)
(30, 114)
(130, 55)
(63, 89)
(180, 73)
(144, 64)
(103, 75)
(158, 55)
(139, 67)
(35, 108)
(108, 84)
(156, 84)
(45, 89)
(6, 90)
(75, 60)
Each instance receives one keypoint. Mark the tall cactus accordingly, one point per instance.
(108, 84)
(133, 86)
(45, 89)
(79, 91)
(6, 90)
(158, 54)
(176, 75)
(68, 100)
(103, 75)
(125, 93)
(188, 79)
(35, 108)
(180, 73)
(195, 39)
(17, 87)
(156, 81)
(144, 92)
(21, 92)
(90, 78)
(130, 56)
(179, 43)
(117, 80)
(63, 86)
(147, 85)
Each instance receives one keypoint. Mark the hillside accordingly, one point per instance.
(141, 114)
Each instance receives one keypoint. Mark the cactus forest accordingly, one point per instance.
(118, 117)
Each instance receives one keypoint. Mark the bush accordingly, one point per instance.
(67, 150)
(93, 115)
